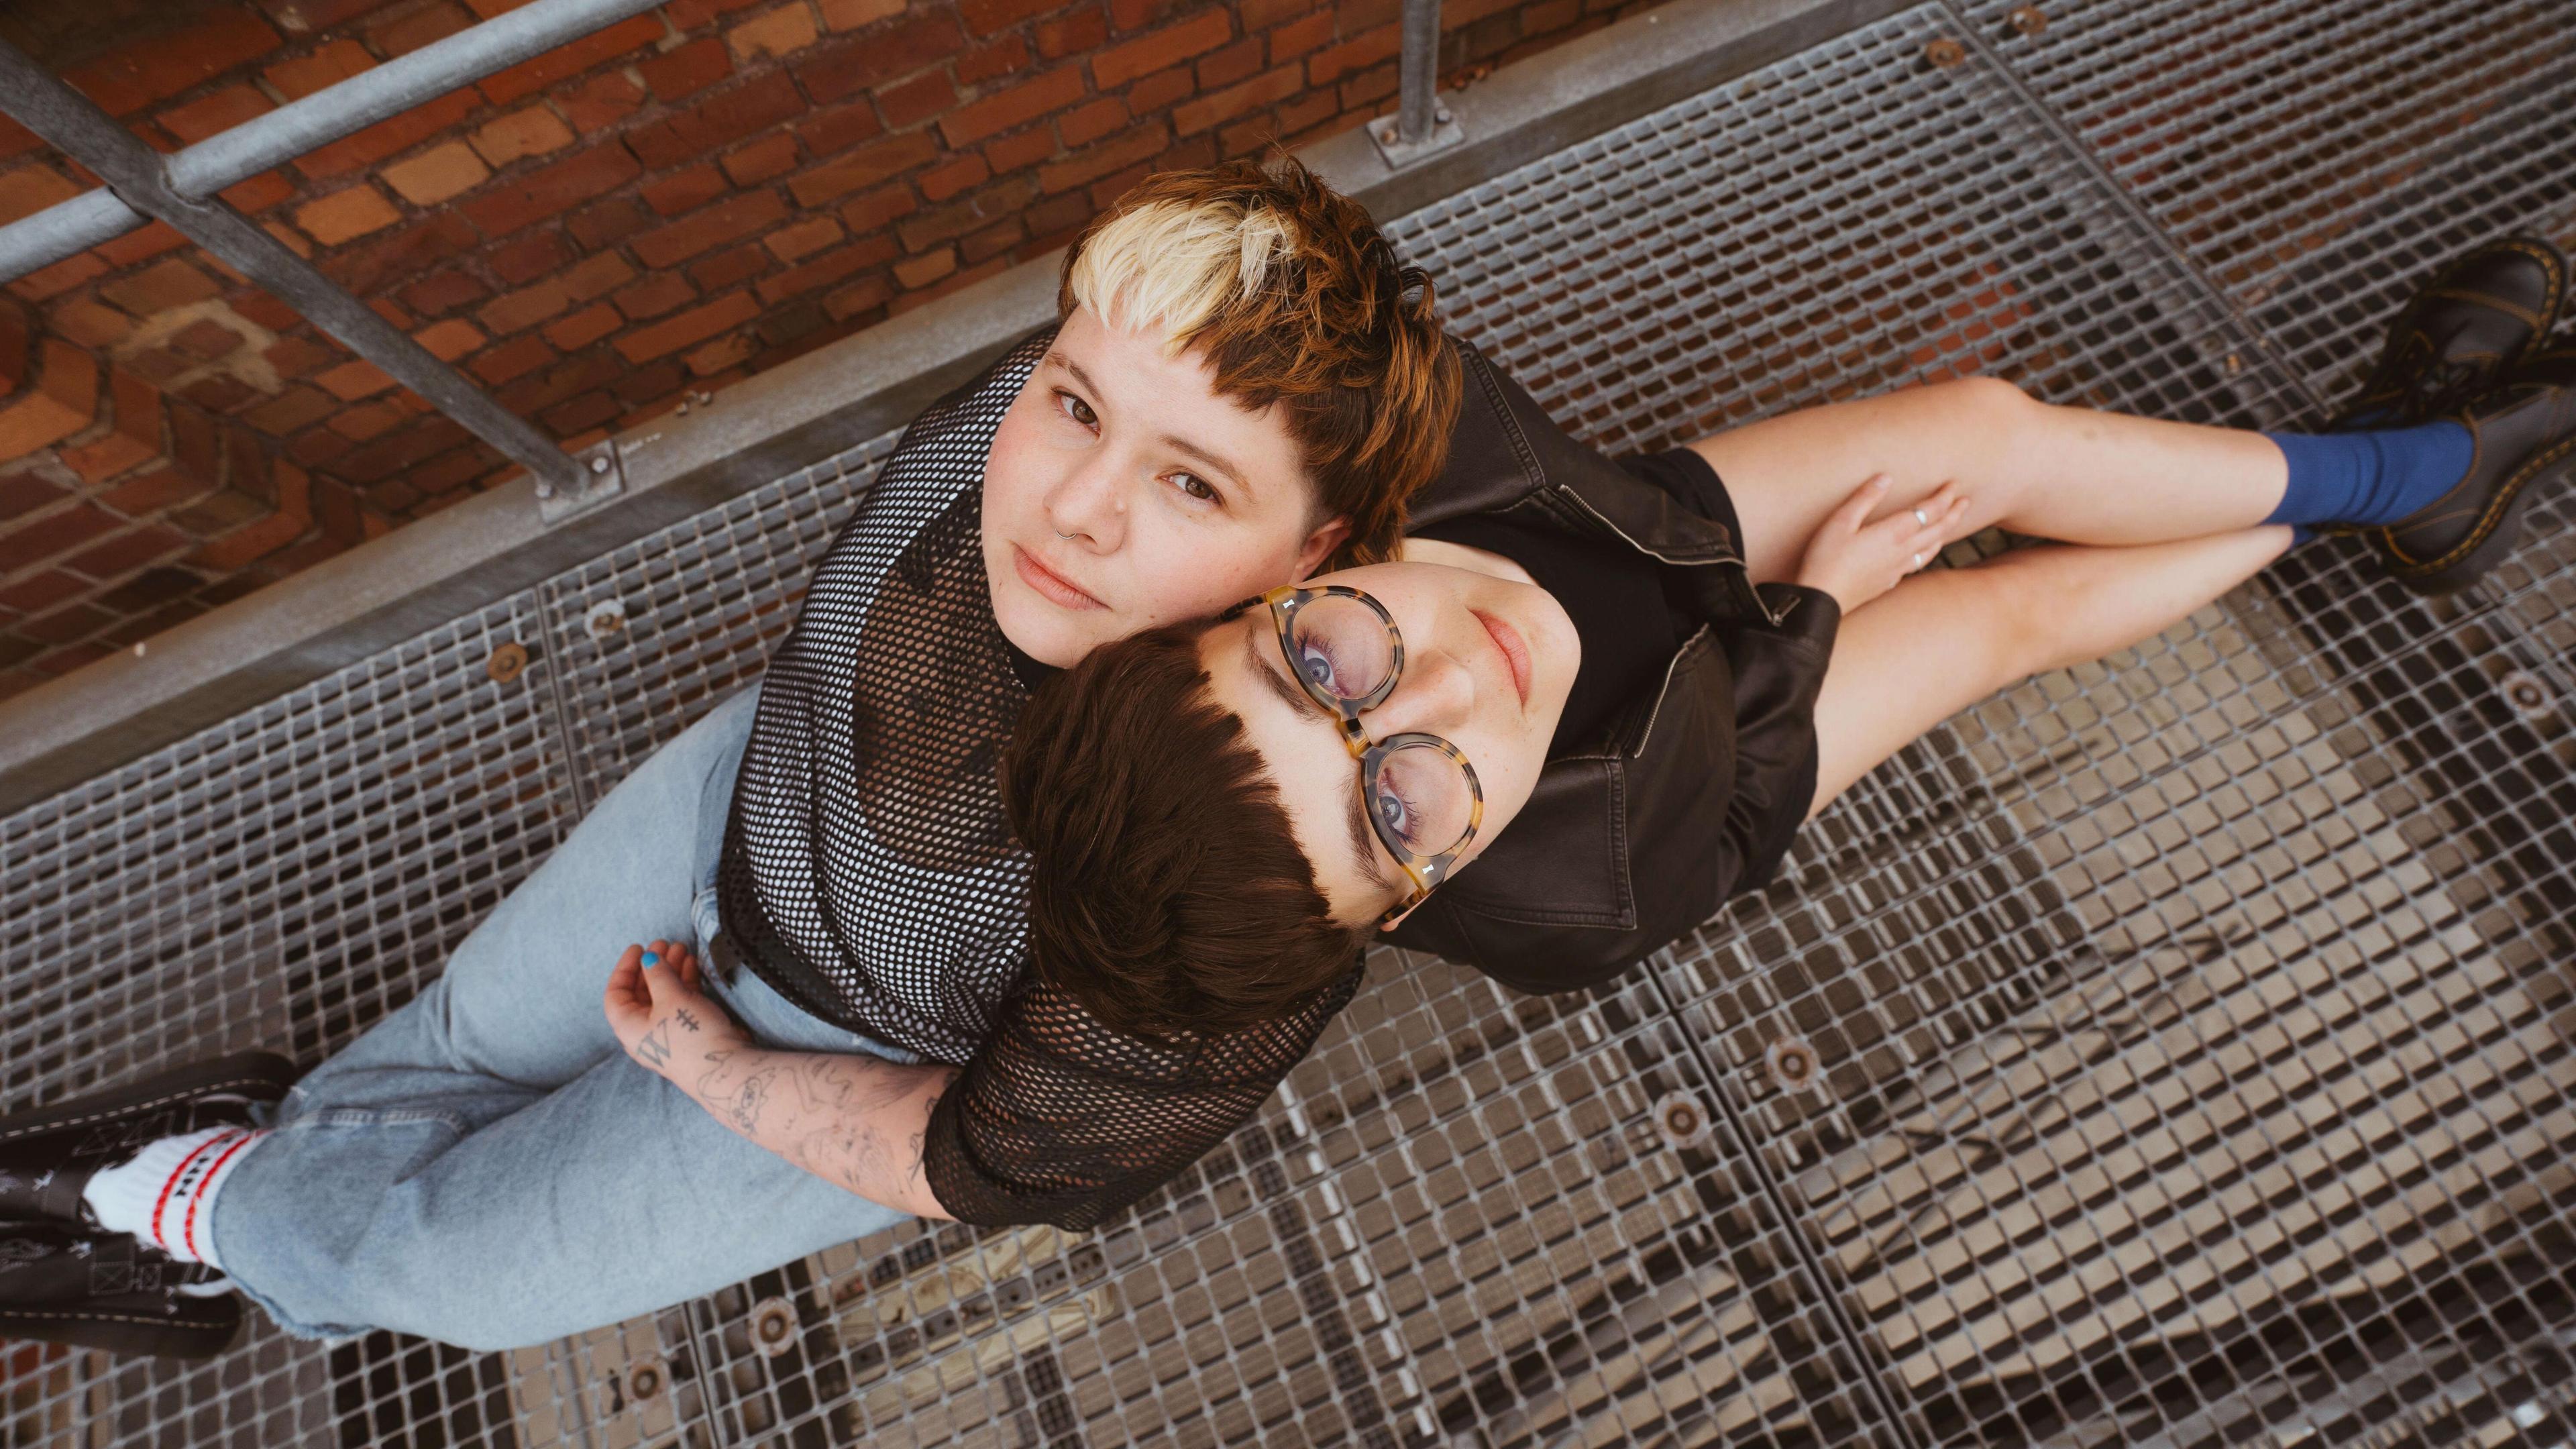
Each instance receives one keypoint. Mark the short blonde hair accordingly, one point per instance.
(1297, 301)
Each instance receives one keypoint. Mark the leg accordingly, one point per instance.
(2051, 472)
(611, 1196)
(517, 1010)
(1940, 641)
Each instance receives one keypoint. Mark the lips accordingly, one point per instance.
(1054, 587)
(1507, 641)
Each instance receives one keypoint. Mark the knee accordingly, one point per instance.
(1991, 407)
(1977, 425)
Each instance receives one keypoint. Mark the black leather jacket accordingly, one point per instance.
(1625, 843)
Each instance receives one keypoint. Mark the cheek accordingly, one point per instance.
(1013, 479)
(1507, 764)
(1184, 572)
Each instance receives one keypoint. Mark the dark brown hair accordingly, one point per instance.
(1168, 892)
(1297, 301)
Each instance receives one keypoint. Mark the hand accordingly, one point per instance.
(659, 1013)
(1856, 560)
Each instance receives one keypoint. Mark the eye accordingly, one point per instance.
(1318, 664)
(1076, 409)
(1195, 486)
(1395, 814)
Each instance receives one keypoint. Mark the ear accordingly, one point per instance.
(1319, 546)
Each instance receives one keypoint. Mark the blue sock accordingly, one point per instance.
(2370, 478)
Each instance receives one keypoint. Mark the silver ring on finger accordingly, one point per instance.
(1918, 560)
(1921, 517)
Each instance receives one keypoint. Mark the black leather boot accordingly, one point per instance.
(103, 1290)
(2463, 332)
(2523, 427)
(47, 1155)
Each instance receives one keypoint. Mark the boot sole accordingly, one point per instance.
(257, 1076)
(117, 1326)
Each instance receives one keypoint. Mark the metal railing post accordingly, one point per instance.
(1420, 125)
(1419, 71)
(69, 120)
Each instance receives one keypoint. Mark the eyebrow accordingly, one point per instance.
(1172, 441)
(1232, 473)
(1364, 842)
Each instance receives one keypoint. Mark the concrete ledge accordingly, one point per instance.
(451, 563)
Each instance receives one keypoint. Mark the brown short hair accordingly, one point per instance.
(1168, 893)
(1298, 302)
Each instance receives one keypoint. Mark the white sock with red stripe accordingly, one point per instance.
(166, 1195)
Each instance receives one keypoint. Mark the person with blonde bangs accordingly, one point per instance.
(578, 1121)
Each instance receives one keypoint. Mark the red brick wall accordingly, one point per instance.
(668, 205)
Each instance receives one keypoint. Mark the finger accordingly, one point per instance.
(1947, 527)
(1898, 532)
(1938, 514)
(1856, 509)
(1930, 509)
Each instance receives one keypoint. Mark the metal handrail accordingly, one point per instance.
(181, 190)
(73, 122)
(340, 109)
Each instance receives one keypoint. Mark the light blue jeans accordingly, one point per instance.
(486, 1166)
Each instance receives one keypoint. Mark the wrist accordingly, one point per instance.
(1809, 580)
(695, 1051)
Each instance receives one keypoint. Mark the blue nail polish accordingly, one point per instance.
(651, 960)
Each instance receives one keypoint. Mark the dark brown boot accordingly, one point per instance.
(2462, 333)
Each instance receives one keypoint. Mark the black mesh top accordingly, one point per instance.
(870, 876)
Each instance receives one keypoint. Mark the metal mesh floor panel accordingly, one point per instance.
(2314, 162)
(2191, 1029)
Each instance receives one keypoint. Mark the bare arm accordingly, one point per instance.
(857, 1122)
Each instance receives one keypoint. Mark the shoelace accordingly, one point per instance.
(2442, 383)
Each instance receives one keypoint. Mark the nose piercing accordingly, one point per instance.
(1061, 535)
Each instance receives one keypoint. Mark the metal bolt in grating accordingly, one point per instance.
(2188, 1030)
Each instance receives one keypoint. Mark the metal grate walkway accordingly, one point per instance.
(2172, 1051)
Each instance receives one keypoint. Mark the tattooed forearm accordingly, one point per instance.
(837, 1116)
